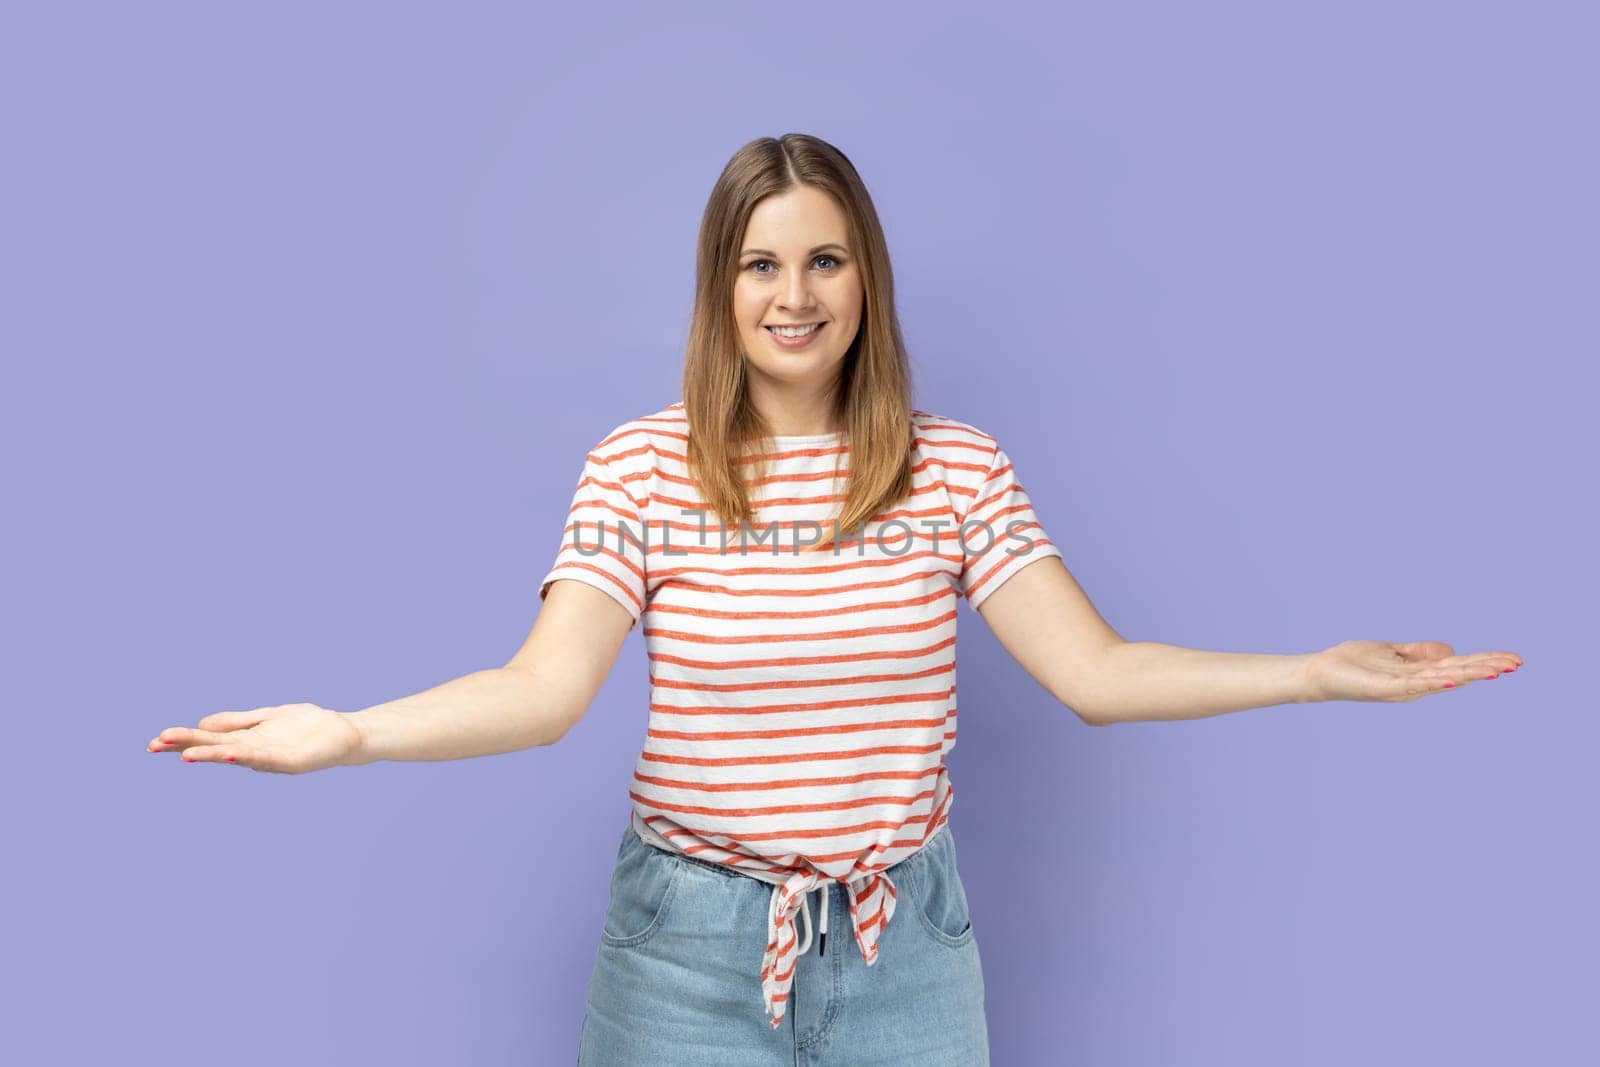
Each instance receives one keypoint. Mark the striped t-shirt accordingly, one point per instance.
(801, 703)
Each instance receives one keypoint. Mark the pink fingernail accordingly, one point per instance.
(232, 759)
(1449, 685)
(1491, 676)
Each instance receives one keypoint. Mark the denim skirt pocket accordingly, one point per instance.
(940, 901)
(642, 886)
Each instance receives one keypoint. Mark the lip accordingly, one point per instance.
(795, 343)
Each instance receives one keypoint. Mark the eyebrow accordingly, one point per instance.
(814, 251)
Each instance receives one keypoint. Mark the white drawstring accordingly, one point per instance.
(805, 912)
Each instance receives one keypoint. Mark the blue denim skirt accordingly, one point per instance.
(677, 976)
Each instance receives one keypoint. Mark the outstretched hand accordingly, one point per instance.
(288, 739)
(1383, 670)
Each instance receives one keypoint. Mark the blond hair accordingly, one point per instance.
(873, 394)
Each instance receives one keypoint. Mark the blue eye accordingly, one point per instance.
(758, 262)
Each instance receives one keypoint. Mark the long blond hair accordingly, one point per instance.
(874, 389)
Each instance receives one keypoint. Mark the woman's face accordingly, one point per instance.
(796, 268)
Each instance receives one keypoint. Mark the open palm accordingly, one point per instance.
(287, 739)
(1383, 670)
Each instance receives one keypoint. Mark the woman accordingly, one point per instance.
(800, 619)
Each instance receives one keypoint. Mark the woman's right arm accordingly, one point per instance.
(533, 700)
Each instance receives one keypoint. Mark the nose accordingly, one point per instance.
(796, 293)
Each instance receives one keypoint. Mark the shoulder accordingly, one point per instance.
(958, 454)
(630, 454)
(951, 441)
(640, 441)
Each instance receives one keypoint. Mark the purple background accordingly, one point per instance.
(1286, 317)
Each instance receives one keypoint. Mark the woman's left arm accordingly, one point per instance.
(1045, 621)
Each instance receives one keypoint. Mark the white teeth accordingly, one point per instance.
(792, 331)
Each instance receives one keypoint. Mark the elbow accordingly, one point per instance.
(1082, 698)
(1091, 683)
(1091, 718)
(549, 709)
(1086, 710)
(556, 727)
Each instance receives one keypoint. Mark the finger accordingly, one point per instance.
(1484, 666)
(209, 754)
(175, 738)
(251, 757)
(234, 720)
(1482, 662)
(1424, 651)
(166, 740)
(1435, 654)
(1417, 686)
(1457, 675)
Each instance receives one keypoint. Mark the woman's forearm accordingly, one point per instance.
(1143, 681)
(502, 709)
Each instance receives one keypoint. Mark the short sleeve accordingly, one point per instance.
(604, 540)
(1000, 534)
